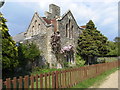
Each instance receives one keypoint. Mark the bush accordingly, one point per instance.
(66, 64)
(79, 61)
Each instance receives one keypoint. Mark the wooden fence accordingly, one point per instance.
(59, 79)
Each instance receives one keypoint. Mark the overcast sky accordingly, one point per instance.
(104, 13)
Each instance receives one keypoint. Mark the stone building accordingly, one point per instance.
(41, 30)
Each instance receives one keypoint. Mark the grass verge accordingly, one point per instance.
(90, 82)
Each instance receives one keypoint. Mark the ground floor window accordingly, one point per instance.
(70, 56)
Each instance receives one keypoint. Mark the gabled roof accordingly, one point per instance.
(66, 14)
(45, 21)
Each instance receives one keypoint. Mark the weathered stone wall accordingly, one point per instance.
(51, 57)
(66, 40)
(36, 26)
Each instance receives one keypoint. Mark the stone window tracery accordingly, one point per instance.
(72, 31)
(66, 30)
(69, 30)
(38, 28)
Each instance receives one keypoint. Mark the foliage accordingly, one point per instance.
(28, 52)
(56, 42)
(66, 64)
(92, 43)
(113, 47)
(117, 41)
(79, 61)
(9, 49)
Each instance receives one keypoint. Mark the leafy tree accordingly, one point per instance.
(9, 49)
(28, 52)
(92, 43)
(113, 48)
(117, 39)
(117, 42)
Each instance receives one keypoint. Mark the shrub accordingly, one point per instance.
(79, 61)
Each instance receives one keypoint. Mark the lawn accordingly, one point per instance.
(107, 59)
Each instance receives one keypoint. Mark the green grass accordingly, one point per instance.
(90, 82)
(108, 59)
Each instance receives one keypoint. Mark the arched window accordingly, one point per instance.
(38, 28)
(71, 32)
(66, 30)
(32, 31)
(69, 29)
(35, 28)
(35, 22)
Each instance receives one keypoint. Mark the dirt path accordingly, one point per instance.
(110, 82)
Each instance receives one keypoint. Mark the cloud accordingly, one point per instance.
(104, 13)
(64, 0)
(107, 21)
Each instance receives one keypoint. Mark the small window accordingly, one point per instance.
(38, 25)
(32, 30)
(32, 27)
(35, 21)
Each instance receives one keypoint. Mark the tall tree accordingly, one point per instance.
(9, 49)
(92, 43)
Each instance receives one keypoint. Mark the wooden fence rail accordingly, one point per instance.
(59, 79)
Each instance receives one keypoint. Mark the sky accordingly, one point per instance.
(104, 13)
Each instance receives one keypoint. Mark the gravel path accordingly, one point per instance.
(110, 82)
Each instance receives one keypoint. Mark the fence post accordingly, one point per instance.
(53, 80)
(65, 78)
(20, 81)
(56, 81)
(71, 78)
(49, 74)
(41, 80)
(45, 80)
(8, 83)
(26, 82)
(32, 81)
(14, 81)
(36, 77)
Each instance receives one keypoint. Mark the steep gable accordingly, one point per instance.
(36, 25)
(69, 14)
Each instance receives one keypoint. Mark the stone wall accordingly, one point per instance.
(36, 26)
(66, 23)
